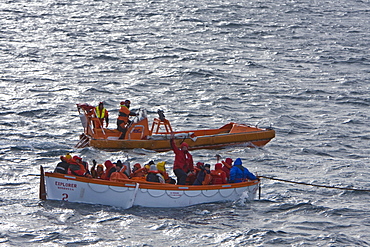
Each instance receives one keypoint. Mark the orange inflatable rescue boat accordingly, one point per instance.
(138, 134)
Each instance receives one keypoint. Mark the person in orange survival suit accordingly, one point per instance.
(102, 114)
(119, 174)
(76, 167)
(98, 172)
(123, 117)
(139, 173)
(218, 175)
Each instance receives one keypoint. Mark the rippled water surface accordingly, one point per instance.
(301, 66)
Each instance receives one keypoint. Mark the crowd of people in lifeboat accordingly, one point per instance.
(201, 174)
(226, 171)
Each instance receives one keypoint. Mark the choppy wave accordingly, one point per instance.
(299, 66)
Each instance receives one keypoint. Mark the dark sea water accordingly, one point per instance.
(302, 66)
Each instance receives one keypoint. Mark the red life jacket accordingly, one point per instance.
(76, 169)
(218, 177)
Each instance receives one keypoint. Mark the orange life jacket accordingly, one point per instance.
(207, 179)
(107, 173)
(117, 176)
(139, 172)
(123, 114)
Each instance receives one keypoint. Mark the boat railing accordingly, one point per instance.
(135, 131)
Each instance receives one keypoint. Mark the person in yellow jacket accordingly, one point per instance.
(102, 114)
(123, 117)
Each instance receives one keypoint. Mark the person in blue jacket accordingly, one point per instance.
(238, 173)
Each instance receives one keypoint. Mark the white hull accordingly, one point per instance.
(130, 193)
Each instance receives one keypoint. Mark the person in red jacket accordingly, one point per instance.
(183, 163)
(109, 169)
(228, 163)
(218, 175)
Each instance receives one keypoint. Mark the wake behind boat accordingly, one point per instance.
(156, 138)
(128, 193)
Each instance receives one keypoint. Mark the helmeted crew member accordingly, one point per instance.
(68, 156)
(238, 173)
(183, 163)
(123, 117)
(102, 114)
(218, 175)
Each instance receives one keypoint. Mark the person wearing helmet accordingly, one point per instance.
(102, 114)
(123, 118)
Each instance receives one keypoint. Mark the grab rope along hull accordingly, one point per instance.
(129, 193)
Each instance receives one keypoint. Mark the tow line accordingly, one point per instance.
(315, 185)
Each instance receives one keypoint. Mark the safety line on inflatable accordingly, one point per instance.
(315, 185)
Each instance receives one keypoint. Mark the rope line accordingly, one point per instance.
(315, 185)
